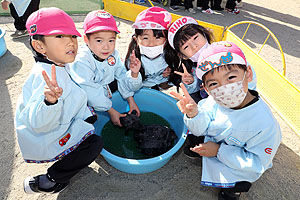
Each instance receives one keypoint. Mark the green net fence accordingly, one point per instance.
(69, 6)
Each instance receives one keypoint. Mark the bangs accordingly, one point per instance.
(156, 33)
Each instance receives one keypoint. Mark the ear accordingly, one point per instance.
(39, 46)
(86, 39)
(249, 74)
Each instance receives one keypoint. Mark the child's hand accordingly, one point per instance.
(5, 4)
(115, 116)
(208, 149)
(186, 77)
(186, 104)
(166, 72)
(135, 65)
(133, 106)
(51, 91)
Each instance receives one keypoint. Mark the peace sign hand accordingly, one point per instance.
(135, 65)
(186, 104)
(186, 77)
(51, 91)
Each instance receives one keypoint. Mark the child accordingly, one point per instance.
(241, 134)
(189, 39)
(98, 69)
(149, 46)
(52, 119)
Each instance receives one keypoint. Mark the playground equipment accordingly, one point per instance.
(276, 89)
(149, 101)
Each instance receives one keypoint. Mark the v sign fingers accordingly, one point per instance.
(52, 91)
(190, 106)
(135, 65)
(186, 77)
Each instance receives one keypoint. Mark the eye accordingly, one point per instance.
(212, 84)
(59, 36)
(232, 77)
(98, 40)
(185, 47)
(74, 36)
(196, 37)
(112, 41)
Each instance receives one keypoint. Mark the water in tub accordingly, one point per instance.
(122, 145)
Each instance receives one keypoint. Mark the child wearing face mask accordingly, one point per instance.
(189, 39)
(149, 47)
(53, 122)
(98, 69)
(241, 134)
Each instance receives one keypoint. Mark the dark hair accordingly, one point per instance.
(243, 67)
(169, 52)
(188, 31)
(40, 38)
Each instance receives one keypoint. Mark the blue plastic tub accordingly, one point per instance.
(156, 102)
(3, 48)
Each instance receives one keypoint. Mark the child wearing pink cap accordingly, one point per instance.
(149, 47)
(98, 69)
(189, 39)
(53, 121)
(241, 134)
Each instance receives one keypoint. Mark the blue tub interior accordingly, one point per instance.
(3, 47)
(153, 101)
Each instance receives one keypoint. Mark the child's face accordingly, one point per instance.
(102, 43)
(148, 39)
(224, 75)
(60, 49)
(193, 45)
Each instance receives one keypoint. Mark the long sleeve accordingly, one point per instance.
(89, 78)
(126, 84)
(256, 155)
(36, 114)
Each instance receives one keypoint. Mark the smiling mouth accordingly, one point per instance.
(71, 52)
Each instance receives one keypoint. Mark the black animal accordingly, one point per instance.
(153, 140)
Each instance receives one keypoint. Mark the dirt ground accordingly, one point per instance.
(180, 177)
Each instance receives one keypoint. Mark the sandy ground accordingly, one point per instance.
(180, 177)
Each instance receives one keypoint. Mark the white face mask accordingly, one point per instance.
(230, 95)
(195, 57)
(152, 52)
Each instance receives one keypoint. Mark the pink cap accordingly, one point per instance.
(175, 26)
(99, 20)
(218, 54)
(153, 18)
(50, 21)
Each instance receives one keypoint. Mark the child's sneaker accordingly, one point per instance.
(199, 8)
(175, 8)
(191, 10)
(42, 184)
(229, 196)
(19, 33)
(208, 11)
(234, 11)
